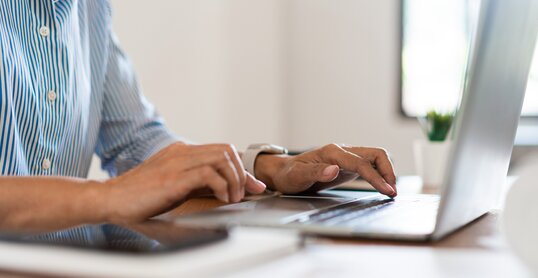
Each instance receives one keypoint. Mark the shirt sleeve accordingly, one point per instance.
(131, 129)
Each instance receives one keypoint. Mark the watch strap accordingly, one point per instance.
(252, 152)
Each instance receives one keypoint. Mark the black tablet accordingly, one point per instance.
(141, 238)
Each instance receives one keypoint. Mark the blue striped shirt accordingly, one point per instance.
(68, 91)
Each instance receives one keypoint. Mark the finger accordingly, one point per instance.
(191, 159)
(349, 161)
(220, 160)
(380, 158)
(236, 161)
(241, 172)
(194, 156)
(205, 176)
(228, 170)
(234, 156)
(253, 185)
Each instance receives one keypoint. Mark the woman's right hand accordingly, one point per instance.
(164, 181)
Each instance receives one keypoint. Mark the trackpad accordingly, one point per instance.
(270, 211)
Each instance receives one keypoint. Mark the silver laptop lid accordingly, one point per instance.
(488, 117)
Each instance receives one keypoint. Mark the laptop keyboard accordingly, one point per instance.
(360, 212)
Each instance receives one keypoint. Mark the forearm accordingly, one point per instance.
(49, 203)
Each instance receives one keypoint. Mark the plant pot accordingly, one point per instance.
(431, 159)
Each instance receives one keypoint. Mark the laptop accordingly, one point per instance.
(484, 133)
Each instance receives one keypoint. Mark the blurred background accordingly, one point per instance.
(299, 73)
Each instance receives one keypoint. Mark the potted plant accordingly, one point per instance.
(431, 155)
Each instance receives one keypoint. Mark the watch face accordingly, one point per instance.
(274, 149)
(280, 149)
(265, 147)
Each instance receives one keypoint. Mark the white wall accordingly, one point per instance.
(206, 64)
(294, 72)
(343, 77)
(213, 68)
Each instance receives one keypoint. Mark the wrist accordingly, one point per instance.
(95, 196)
(267, 166)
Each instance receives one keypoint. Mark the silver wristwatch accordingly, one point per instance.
(252, 152)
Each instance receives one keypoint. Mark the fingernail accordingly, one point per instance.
(226, 198)
(236, 198)
(330, 170)
(390, 189)
(261, 185)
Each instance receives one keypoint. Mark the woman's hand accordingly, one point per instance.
(294, 174)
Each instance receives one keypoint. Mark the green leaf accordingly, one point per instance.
(438, 125)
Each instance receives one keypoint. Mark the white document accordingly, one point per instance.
(244, 248)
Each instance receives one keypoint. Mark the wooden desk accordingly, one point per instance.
(477, 250)
(482, 234)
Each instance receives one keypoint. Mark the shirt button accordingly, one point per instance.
(44, 31)
(51, 95)
(46, 164)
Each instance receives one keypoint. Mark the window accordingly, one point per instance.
(435, 45)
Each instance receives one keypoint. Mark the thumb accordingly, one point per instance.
(253, 185)
(327, 172)
(303, 175)
(318, 172)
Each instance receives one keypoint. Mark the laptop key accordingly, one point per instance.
(356, 215)
(352, 209)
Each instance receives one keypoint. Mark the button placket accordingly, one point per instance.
(51, 96)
